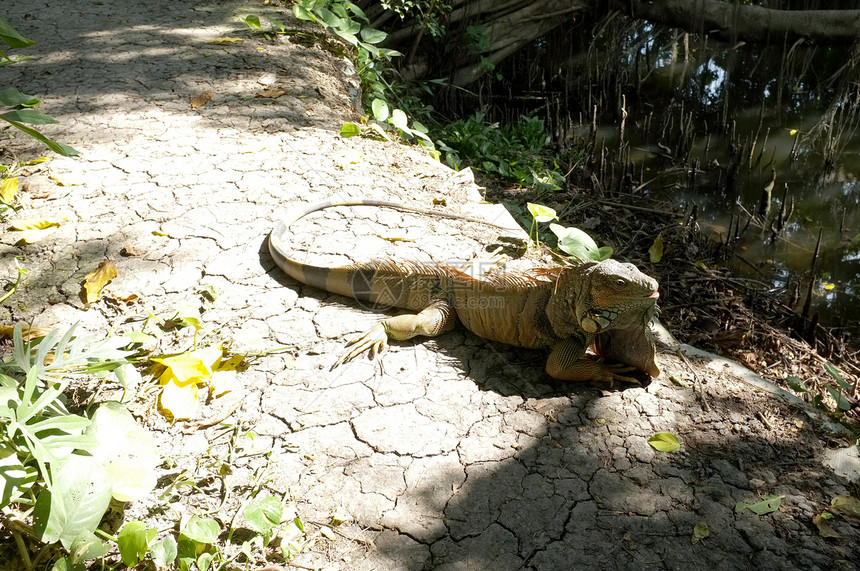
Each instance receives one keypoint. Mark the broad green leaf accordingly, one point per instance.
(842, 403)
(11, 97)
(133, 541)
(66, 564)
(75, 503)
(579, 244)
(127, 451)
(765, 506)
(655, 252)
(846, 505)
(164, 552)
(373, 36)
(58, 148)
(700, 532)
(87, 547)
(837, 376)
(204, 561)
(252, 21)
(542, 213)
(12, 37)
(29, 116)
(15, 477)
(400, 120)
(302, 13)
(374, 128)
(264, 515)
(664, 442)
(796, 385)
(380, 109)
(604, 253)
(201, 530)
(348, 130)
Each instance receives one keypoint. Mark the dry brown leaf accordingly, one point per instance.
(129, 250)
(27, 333)
(272, 93)
(824, 527)
(201, 99)
(9, 189)
(97, 280)
(225, 41)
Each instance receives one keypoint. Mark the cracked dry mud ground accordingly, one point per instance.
(457, 454)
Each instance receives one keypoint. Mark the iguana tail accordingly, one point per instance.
(396, 283)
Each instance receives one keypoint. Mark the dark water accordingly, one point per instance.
(692, 121)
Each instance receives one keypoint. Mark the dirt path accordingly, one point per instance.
(460, 453)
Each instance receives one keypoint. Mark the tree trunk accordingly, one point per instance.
(732, 22)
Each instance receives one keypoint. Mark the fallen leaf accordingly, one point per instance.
(201, 99)
(32, 236)
(27, 333)
(225, 41)
(700, 532)
(765, 506)
(223, 382)
(664, 442)
(33, 224)
(846, 505)
(823, 525)
(272, 93)
(95, 281)
(655, 252)
(9, 189)
(179, 403)
(129, 250)
(68, 179)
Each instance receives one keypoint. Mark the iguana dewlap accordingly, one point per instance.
(604, 305)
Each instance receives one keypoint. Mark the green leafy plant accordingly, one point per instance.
(571, 241)
(22, 112)
(59, 467)
(519, 152)
(837, 393)
(253, 22)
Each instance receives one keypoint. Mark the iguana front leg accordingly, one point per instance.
(433, 320)
(568, 362)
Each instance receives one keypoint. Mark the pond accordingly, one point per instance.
(761, 140)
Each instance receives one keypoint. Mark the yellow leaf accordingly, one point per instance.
(225, 41)
(31, 236)
(201, 99)
(793, 132)
(190, 367)
(656, 249)
(234, 363)
(828, 286)
(33, 224)
(179, 403)
(68, 179)
(223, 382)
(9, 189)
(702, 265)
(95, 281)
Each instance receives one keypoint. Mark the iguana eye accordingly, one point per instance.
(621, 282)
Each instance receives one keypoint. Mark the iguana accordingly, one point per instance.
(603, 305)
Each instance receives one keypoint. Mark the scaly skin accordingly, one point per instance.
(603, 305)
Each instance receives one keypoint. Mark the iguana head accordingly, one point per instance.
(608, 295)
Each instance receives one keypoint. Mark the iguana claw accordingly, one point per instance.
(374, 340)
